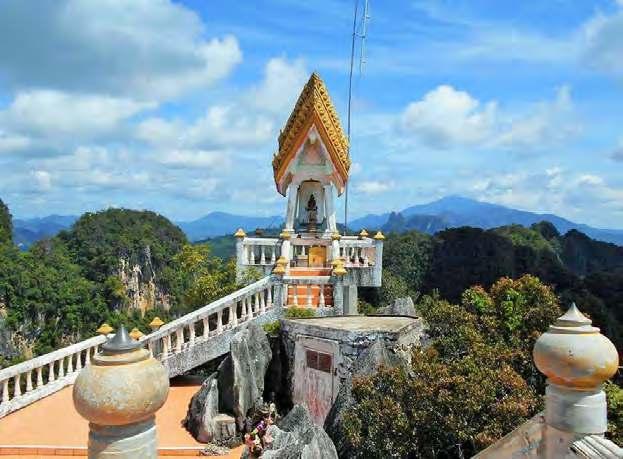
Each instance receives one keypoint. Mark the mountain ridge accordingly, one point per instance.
(448, 212)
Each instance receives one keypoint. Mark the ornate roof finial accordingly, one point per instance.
(121, 343)
(573, 353)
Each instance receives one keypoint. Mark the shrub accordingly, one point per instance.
(299, 313)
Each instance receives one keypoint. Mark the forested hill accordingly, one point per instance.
(115, 266)
(580, 269)
(6, 228)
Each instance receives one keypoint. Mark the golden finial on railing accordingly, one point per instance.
(105, 329)
(363, 234)
(240, 233)
(379, 236)
(156, 323)
(136, 334)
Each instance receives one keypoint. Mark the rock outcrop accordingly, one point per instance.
(400, 307)
(296, 436)
(202, 411)
(236, 387)
(241, 374)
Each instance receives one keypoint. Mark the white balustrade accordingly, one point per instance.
(26, 382)
(260, 251)
(357, 253)
(314, 290)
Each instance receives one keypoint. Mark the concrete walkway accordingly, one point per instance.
(53, 426)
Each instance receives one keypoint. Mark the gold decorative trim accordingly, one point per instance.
(313, 106)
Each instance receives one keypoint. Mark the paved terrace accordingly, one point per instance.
(38, 431)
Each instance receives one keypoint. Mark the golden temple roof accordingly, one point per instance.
(313, 107)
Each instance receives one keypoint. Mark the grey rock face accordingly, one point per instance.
(400, 307)
(202, 410)
(241, 374)
(297, 437)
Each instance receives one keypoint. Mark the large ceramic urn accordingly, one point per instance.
(119, 393)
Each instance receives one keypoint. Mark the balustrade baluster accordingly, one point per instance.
(17, 390)
(243, 309)
(151, 347)
(321, 298)
(233, 315)
(262, 302)
(191, 330)
(256, 307)
(219, 321)
(309, 296)
(269, 301)
(303, 250)
(5, 391)
(364, 255)
(166, 345)
(39, 377)
(206, 327)
(29, 381)
(61, 367)
(70, 366)
(252, 255)
(262, 256)
(273, 255)
(295, 300)
(179, 339)
(51, 372)
(79, 361)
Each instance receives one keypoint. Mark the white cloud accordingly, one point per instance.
(603, 42)
(43, 179)
(143, 48)
(546, 123)
(51, 112)
(12, 142)
(373, 187)
(195, 159)
(282, 83)
(446, 117)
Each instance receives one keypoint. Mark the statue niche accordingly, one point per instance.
(312, 214)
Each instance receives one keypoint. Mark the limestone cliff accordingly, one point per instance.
(140, 282)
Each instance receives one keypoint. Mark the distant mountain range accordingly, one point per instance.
(448, 212)
(221, 223)
(28, 231)
(455, 211)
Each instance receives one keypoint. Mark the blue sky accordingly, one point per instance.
(175, 106)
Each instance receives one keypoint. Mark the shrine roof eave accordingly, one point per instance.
(339, 157)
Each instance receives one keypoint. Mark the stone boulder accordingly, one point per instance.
(241, 374)
(366, 364)
(297, 437)
(400, 307)
(202, 411)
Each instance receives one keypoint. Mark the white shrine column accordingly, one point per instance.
(292, 192)
(329, 209)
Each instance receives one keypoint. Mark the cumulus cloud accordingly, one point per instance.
(195, 159)
(447, 117)
(373, 187)
(50, 112)
(140, 49)
(603, 42)
(282, 83)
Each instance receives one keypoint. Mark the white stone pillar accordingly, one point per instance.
(329, 205)
(292, 192)
(576, 359)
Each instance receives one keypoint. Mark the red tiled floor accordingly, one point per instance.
(53, 421)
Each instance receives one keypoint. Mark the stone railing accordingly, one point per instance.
(358, 253)
(260, 251)
(308, 291)
(214, 319)
(29, 381)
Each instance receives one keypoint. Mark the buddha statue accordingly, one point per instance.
(312, 214)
